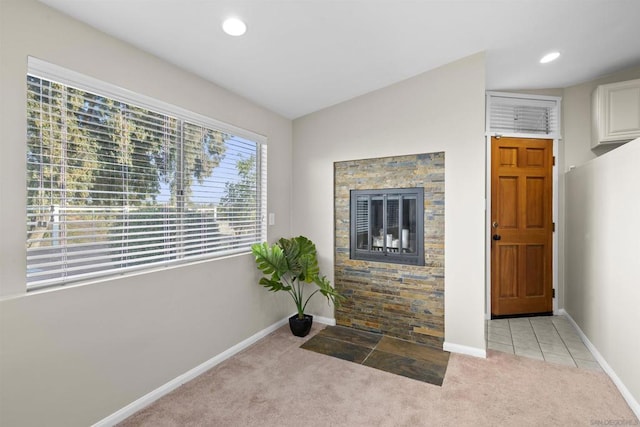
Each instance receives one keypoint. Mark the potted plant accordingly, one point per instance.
(291, 265)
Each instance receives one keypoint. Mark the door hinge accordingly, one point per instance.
(554, 160)
(553, 227)
(553, 293)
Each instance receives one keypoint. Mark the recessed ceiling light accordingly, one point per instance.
(234, 27)
(552, 56)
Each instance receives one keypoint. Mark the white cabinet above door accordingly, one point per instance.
(615, 113)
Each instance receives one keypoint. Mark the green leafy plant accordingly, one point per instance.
(289, 265)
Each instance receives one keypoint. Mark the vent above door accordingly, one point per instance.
(523, 115)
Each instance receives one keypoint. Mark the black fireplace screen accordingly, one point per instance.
(387, 225)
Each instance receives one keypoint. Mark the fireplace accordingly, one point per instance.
(389, 246)
(386, 225)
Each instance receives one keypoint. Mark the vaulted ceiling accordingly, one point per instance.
(299, 56)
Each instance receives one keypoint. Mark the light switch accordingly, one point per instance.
(272, 219)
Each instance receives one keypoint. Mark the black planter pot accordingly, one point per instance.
(300, 327)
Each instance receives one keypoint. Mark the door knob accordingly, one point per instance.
(494, 224)
(496, 237)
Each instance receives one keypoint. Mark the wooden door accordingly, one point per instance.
(521, 226)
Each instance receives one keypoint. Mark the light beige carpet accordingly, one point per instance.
(276, 383)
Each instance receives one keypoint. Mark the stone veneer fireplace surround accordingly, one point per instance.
(402, 301)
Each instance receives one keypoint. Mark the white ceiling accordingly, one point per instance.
(299, 56)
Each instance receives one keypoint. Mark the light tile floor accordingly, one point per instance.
(549, 338)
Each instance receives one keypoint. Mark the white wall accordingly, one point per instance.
(575, 149)
(74, 355)
(440, 110)
(597, 256)
(602, 258)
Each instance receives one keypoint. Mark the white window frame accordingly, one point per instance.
(47, 71)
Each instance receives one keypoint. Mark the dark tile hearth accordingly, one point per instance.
(415, 361)
(336, 348)
(360, 338)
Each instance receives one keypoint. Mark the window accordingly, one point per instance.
(114, 185)
(513, 113)
(387, 225)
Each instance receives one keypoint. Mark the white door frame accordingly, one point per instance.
(555, 204)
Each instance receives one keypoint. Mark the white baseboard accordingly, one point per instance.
(330, 321)
(464, 349)
(626, 394)
(154, 395)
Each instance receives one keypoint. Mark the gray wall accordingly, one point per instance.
(74, 355)
(440, 110)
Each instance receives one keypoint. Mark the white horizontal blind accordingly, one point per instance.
(522, 115)
(113, 186)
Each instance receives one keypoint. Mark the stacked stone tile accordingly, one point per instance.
(401, 301)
